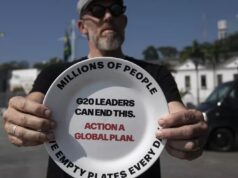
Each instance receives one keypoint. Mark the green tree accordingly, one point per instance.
(194, 52)
(150, 53)
(44, 64)
(7, 66)
(229, 44)
(210, 51)
(168, 51)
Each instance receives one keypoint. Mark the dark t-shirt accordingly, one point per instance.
(160, 74)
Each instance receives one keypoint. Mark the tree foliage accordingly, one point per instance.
(44, 64)
(230, 43)
(7, 66)
(209, 52)
(150, 53)
(194, 52)
(168, 51)
(212, 52)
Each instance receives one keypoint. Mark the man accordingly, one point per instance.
(27, 122)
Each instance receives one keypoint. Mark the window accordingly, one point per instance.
(235, 76)
(232, 98)
(219, 79)
(203, 82)
(187, 83)
(219, 93)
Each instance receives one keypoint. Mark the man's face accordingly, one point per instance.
(106, 31)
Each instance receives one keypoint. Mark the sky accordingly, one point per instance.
(33, 27)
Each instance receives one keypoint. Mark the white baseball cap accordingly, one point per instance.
(82, 4)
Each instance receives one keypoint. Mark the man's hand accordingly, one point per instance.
(185, 132)
(27, 122)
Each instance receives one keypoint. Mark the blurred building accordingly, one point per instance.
(209, 76)
(22, 79)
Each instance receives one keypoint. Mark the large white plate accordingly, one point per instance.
(107, 112)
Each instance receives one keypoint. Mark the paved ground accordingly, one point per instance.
(31, 163)
(210, 165)
(21, 162)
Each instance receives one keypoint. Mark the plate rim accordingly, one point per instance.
(81, 63)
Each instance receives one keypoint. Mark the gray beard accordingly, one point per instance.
(109, 43)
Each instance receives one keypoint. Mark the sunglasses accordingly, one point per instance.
(99, 11)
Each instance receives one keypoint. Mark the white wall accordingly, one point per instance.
(227, 70)
(228, 74)
(23, 78)
(203, 92)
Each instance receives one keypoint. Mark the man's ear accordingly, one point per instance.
(82, 28)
